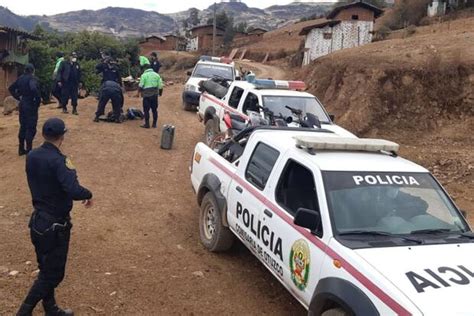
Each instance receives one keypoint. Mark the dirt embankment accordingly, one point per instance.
(418, 91)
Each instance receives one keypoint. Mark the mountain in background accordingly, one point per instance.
(128, 22)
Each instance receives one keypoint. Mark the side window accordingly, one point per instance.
(234, 99)
(260, 165)
(296, 188)
(250, 103)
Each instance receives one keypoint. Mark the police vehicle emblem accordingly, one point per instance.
(69, 164)
(300, 263)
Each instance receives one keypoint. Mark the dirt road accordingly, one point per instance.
(263, 70)
(137, 251)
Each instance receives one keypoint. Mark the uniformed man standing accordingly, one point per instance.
(155, 63)
(150, 86)
(53, 184)
(109, 70)
(26, 90)
(69, 77)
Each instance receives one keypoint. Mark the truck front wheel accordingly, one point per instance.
(210, 132)
(214, 236)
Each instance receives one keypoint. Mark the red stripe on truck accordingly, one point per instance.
(222, 104)
(372, 287)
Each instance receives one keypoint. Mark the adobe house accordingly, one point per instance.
(13, 56)
(346, 26)
(201, 37)
(155, 43)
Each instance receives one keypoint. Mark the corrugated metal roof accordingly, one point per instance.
(6, 29)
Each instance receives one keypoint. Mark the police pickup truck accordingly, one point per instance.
(207, 67)
(278, 97)
(346, 225)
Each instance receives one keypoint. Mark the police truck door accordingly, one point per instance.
(246, 196)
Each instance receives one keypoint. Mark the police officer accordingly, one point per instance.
(53, 184)
(68, 78)
(155, 63)
(26, 90)
(150, 86)
(110, 90)
(109, 70)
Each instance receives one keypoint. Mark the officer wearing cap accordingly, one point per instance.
(53, 184)
(68, 78)
(26, 90)
(155, 63)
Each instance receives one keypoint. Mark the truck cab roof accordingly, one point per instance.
(336, 160)
(274, 92)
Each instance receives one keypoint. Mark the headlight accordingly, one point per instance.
(190, 87)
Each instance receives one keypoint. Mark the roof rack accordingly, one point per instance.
(313, 143)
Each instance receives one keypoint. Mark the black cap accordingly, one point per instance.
(54, 127)
(29, 68)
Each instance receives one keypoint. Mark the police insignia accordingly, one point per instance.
(300, 263)
(69, 164)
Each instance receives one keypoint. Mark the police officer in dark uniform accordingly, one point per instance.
(154, 62)
(109, 70)
(69, 78)
(53, 184)
(26, 90)
(110, 90)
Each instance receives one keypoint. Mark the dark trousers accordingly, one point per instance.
(69, 91)
(51, 247)
(117, 103)
(150, 103)
(56, 91)
(28, 121)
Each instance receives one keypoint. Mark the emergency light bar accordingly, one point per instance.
(224, 60)
(276, 84)
(312, 143)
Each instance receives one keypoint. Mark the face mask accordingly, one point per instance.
(74, 59)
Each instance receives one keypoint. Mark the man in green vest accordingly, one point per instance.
(56, 88)
(150, 86)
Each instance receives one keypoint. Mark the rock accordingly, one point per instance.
(13, 273)
(28, 263)
(35, 273)
(199, 274)
(9, 105)
(108, 273)
(179, 247)
(113, 293)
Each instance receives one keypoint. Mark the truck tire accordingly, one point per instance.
(187, 106)
(210, 132)
(214, 236)
(334, 312)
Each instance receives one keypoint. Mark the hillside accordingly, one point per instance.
(128, 22)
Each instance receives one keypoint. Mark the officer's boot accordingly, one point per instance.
(29, 146)
(146, 125)
(74, 111)
(21, 148)
(25, 310)
(154, 124)
(51, 309)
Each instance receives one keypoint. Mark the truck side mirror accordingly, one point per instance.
(307, 218)
(332, 117)
(464, 213)
(238, 78)
(189, 73)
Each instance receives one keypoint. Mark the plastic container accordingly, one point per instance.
(167, 136)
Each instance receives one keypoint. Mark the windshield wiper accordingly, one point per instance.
(431, 231)
(378, 233)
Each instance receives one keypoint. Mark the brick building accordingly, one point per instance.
(346, 26)
(201, 37)
(13, 56)
(244, 38)
(156, 43)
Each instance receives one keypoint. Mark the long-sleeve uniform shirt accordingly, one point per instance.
(150, 83)
(53, 182)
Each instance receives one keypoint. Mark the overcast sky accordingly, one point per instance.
(48, 7)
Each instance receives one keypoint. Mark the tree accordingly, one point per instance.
(241, 27)
(226, 23)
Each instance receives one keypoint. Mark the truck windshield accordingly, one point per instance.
(211, 71)
(277, 104)
(393, 203)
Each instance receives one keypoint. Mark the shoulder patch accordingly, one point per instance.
(69, 164)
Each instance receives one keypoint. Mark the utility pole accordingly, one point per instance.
(214, 29)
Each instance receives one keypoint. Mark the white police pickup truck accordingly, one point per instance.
(347, 226)
(207, 67)
(260, 95)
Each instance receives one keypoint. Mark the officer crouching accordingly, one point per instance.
(53, 184)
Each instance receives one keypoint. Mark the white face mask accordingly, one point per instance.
(74, 59)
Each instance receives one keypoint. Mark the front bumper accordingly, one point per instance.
(191, 97)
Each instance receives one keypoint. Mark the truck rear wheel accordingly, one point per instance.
(214, 235)
(210, 132)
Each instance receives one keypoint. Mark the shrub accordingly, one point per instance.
(90, 79)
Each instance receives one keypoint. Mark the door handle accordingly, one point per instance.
(239, 189)
(268, 213)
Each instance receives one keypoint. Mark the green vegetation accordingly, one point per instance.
(88, 46)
